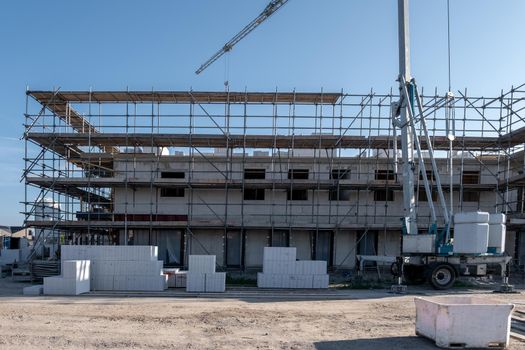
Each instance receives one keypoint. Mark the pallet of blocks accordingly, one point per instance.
(201, 275)
(176, 277)
(74, 279)
(282, 270)
(121, 268)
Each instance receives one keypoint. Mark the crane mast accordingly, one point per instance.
(269, 10)
(407, 145)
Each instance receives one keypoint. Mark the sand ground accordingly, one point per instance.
(241, 319)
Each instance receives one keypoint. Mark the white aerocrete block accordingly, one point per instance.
(471, 217)
(102, 282)
(467, 322)
(105, 252)
(195, 282)
(58, 285)
(201, 263)
(497, 232)
(263, 280)
(310, 267)
(180, 279)
(471, 238)
(215, 282)
(9, 256)
(279, 267)
(171, 280)
(320, 281)
(300, 281)
(77, 269)
(421, 243)
(279, 253)
(34, 290)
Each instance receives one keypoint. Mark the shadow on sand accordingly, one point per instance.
(387, 343)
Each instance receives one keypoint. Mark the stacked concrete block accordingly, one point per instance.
(201, 275)
(9, 256)
(74, 280)
(122, 268)
(176, 277)
(281, 270)
(34, 290)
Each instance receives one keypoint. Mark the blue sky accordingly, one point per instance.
(307, 45)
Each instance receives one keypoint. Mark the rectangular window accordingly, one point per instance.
(297, 195)
(172, 175)
(338, 195)
(280, 238)
(422, 195)
(430, 176)
(172, 192)
(340, 174)
(233, 248)
(470, 196)
(384, 195)
(471, 177)
(297, 174)
(254, 174)
(253, 194)
(385, 175)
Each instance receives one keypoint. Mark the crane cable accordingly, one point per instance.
(450, 116)
(227, 71)
(448, 43)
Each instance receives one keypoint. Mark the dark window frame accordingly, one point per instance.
(255, 194)
(172, 192)
(471, 177)
(384, 195)
(340, 174)
(254, 174)
(172, 175)
(298, 174)
(297, 195)
(385, 175)
(471, 196)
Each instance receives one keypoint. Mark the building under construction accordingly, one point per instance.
(227, 173)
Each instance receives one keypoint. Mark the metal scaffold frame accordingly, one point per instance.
(75, 139)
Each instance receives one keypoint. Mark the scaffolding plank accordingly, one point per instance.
(186, 97)
(255, 141)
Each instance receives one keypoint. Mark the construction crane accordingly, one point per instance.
(268, 11)
(427, 255)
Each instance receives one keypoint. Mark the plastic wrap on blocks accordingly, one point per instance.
(279, 253)
(497, 218)
(471, 217)
(471, 238)
(201, 263)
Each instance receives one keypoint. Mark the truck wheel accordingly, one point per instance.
(442, 276)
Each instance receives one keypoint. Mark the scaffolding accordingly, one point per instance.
(89, 152)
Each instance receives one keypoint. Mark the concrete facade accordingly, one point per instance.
(221, 221)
